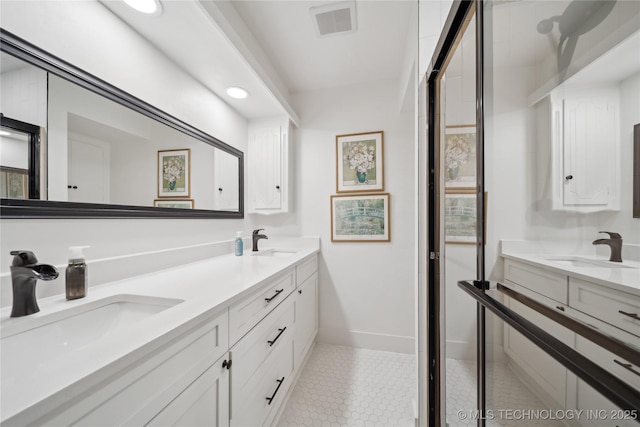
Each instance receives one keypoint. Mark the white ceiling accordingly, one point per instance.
(287, 33)
(276, 52)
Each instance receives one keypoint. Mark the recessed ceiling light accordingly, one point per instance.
(237, 92)
(151, 7)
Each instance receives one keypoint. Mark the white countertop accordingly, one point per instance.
(206, 287)
(615, 277)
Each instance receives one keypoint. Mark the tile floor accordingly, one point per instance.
(345, 386)
(506, 392)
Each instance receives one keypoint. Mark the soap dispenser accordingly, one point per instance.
(238, 244)
(76, 284)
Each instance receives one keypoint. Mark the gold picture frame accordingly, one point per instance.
(361, 218)
(360, 162)
(460, 216)
(174, 173)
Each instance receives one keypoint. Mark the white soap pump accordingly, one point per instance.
(76, 275)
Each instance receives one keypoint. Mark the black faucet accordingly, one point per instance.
(257, 236)
(615, 243)
(25, 271)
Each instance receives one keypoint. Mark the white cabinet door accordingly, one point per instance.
(268, 168)
(548, 374)
(306, 317)
(204, 403)
(588, 147)
(226, 185)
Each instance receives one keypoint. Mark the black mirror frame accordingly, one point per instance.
(16, 208)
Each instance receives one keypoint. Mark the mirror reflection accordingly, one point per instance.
(14, 164)
(99, 151)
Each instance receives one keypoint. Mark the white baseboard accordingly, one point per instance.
(395, 343)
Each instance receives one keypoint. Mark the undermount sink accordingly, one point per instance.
(29, 341)
(275, 252)
(587, 263)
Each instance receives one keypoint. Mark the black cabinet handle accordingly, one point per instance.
(226, 364)
(278, 336)
(220, 189)
(268, 300)
(75, 187)
(273, 396)
(559, 307)
(568, 177)
(277, 187)
(632, 315)
(627, 366)
(300, 291)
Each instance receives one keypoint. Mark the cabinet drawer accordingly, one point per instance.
(245, 314)
(609, 305)
(548, 374)
(306, 269)
(547, 283)
(263, 394)
(252, 350)
(610, 361)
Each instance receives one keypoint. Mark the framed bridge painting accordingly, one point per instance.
(460, 216)
(360, 218)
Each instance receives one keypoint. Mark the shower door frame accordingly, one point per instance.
(452, 31)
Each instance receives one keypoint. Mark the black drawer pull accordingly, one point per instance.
(632, 315)
(276, 338)
(627, 366)
(273, 396)
(559, 307)
(226, 364)
(268, 300)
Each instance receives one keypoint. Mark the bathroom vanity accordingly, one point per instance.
(214, 342)
(603, 295)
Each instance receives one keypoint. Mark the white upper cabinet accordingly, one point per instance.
(585, 145)
(269, 170)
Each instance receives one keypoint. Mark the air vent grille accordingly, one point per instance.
(335, 18)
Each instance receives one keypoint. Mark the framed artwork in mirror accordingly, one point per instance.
(174, 173)
(174, 203)
(14, 183)
(359, 162)
(460, 156)
(460, 216)
(360, 218)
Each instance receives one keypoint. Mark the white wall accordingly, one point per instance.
(24, 95)
(366, 289)
(89, 36)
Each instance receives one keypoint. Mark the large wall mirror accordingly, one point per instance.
(75, 146)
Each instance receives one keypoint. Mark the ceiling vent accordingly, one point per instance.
(334, 18)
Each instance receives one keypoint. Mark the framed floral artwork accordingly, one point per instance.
(173, 203)
(460, 156)
(360, 218)
(460, 215)
(359, 162)
(174, 173)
